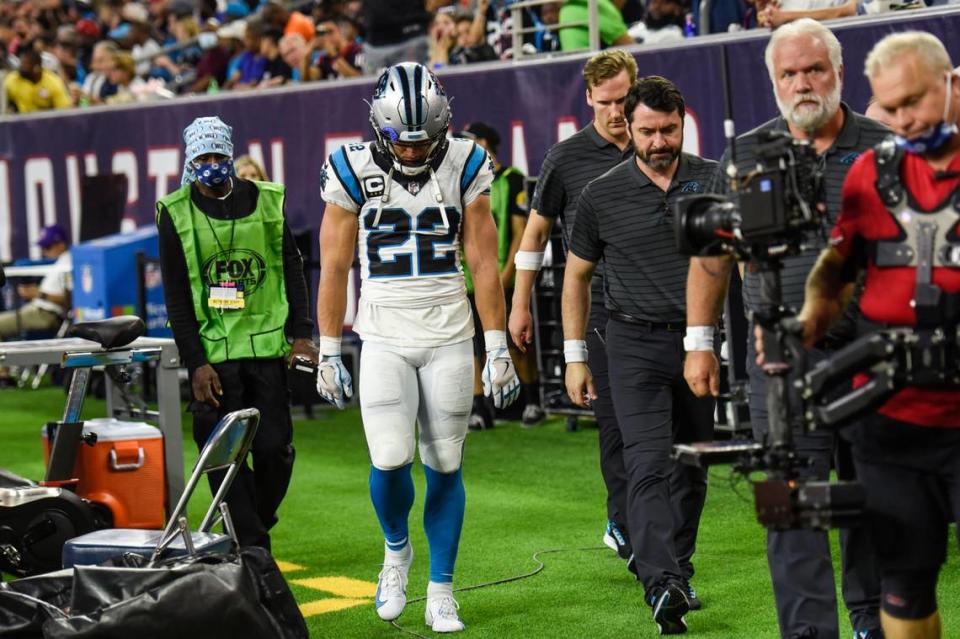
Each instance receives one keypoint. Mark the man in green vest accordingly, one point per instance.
(508, 203)
(236, 299)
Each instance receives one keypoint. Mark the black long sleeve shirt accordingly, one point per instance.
(176, 278)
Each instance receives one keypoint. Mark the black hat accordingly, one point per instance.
(482, 131)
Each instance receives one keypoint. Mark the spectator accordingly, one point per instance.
(47, 304)
(33, 88)
(293, 51)
(97, 86)
(251, 65)
(235, 10)
(349, 29)
(443, 38)
(613, 30)
(338, 57)
(211, 70)
(108, 14)
(44, 43)
(396, 32)
(142, 46)
(124, 77)
(276, 16)
(546, 39)
(470, 44)
(101, 61)
(275, 72)
(665, 13)
(65, 48)
(775, 14)
(231, 37)
(183, 29)
(247, 168)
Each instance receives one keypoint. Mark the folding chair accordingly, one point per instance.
(226, 448)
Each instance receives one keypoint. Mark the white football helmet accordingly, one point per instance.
(409, 106)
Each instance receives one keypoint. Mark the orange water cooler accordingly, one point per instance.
(124, 471)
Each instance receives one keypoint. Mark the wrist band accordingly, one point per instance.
(698, 338)
(574, 350)
(329, 346)
(528, 260)
(494, 340)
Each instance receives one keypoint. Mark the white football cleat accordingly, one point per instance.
(391, 595)
(441, 614)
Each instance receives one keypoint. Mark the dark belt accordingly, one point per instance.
(674, 327)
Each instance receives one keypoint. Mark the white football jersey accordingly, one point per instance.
(412, 290)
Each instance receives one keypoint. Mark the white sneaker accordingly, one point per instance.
(392, 589)
(441, 614)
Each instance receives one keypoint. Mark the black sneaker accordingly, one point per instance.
(669, 606)
(695, 603)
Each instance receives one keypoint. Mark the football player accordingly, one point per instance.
(409, 202)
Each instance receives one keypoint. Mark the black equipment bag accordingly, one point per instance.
(213, 596)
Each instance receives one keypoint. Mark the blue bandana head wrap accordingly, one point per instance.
(205, 135)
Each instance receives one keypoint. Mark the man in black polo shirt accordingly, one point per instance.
(625, 218)
(568, 167)
(805, 65)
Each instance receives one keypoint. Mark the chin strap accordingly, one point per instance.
(438, 195)
(384, 199)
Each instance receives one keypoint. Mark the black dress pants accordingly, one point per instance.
(611, 443)
(256, 492)
(655, 409)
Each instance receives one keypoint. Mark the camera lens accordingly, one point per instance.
(700, 222)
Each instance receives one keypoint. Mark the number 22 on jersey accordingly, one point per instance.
(433, 253)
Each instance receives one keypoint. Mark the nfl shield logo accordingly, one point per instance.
(414, 188)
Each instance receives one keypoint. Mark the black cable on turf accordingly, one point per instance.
(497, 582)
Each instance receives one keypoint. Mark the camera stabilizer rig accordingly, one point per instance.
(773, 212)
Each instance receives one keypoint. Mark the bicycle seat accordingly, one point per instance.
(113, 332)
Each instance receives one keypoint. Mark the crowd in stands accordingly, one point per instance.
(76, 53)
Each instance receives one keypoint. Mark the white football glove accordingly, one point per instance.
(334, 383)
(500, 381)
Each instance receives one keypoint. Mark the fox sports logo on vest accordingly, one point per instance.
(243, 266)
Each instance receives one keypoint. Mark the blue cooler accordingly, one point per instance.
(105, 281)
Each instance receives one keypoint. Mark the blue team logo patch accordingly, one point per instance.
(849, 158)
(391, 133)
(691, 187)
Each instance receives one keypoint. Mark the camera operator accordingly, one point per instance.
(625, 219)
(907, 453)
(805, 65)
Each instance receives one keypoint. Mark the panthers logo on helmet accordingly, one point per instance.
(381, 88)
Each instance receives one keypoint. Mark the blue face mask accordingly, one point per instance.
(934, 137)
(213, 173)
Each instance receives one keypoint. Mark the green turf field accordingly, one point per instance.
(528, 490)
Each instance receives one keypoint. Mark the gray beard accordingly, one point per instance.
(811, 119)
